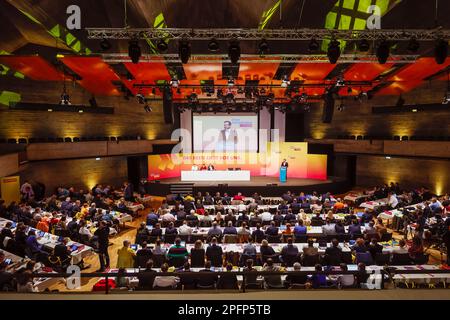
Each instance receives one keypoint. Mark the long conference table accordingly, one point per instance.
(216, 175)
(427, 277)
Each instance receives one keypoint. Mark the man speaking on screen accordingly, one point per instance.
(227, 137)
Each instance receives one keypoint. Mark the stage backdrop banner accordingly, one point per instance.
(10, 189)
(301, 164)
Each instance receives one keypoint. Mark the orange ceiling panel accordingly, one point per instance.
(263, 72)
(148, 71)
(97, 76)
(311, 71)
(366, 71)
(419, 70)
(203, 71)
(33, 67)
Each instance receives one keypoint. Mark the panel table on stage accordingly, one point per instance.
(217, 175)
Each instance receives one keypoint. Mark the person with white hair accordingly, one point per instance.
(167, 216)
(184, 229)
(294, 279)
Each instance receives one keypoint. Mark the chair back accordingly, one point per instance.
(401, 259)
(364, 257)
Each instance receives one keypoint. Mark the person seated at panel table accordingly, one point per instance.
(290, 216)
(228, 280)
(310, 250)
(147, 276)
(380, 227)
(359, 246)
(296, 279)
(215, 230)
(158, 249)
(226, 199)
(271, 280)
(171, 229)
(210, 167)
(318, 280)
(208, 199)
(238, 197)
(300, 229)
(203, 167)
(184, 229)
(194, 167)
(156, 231)
(214, 253)
(317, 220)
(329, 228)
(167, 216)
(230, 229)
(288, 230)
(339, 227)
(257, 234)
(243, 217)
(165, 281)
(278, 218)
(272, 230)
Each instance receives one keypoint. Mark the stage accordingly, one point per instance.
(265, 186)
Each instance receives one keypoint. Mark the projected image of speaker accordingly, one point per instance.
(328, 108)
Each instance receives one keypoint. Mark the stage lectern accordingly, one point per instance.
(283, 174)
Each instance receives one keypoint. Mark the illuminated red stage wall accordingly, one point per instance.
(301, 164)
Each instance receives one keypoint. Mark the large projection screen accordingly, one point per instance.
(223, 133)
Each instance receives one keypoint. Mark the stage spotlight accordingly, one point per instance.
(105, 45)
(446, 99)
(213, 45)
(174, 82)
(234, 52)
(363, 45)
(313, 45)
(340, 81)
(383, 52)
(263, 47)
(285, 82)
(441, 51)
(192, 98)
(184, 51)
(162, 45)
(134, 51)
(147, 108)
(413, 45)
(65, 98)
(141, 98)
(334, 51)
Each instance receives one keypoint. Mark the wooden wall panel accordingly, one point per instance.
(80, 173)
(129, 118)
(410, 173)
(9, 164)
(357, 118)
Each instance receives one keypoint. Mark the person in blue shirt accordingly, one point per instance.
(152, 219)
(318, 280)
(230, 229)
(107, 216)
(32, 243)
(300, 229)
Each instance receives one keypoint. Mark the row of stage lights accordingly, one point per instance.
(382, 50)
